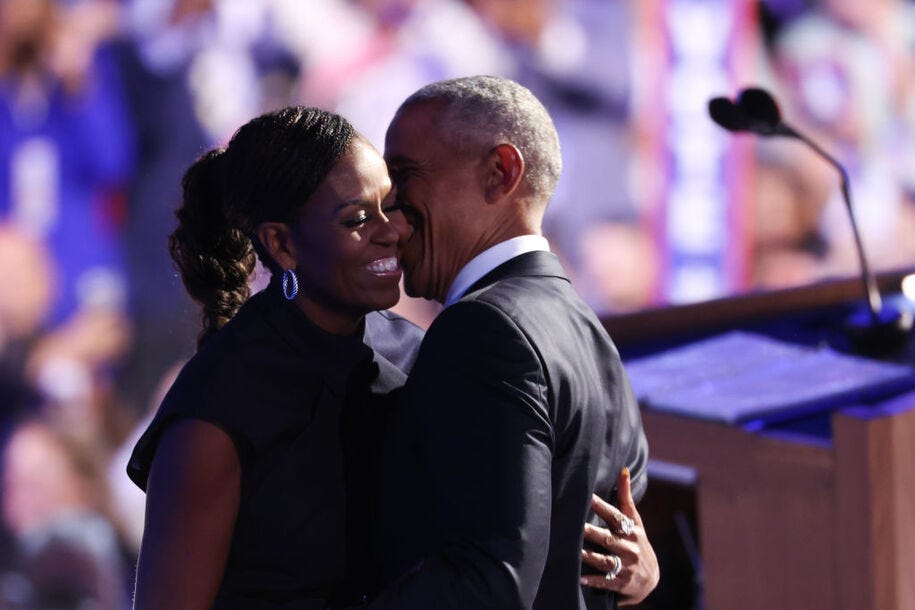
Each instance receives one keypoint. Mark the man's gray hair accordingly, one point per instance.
(488, 110)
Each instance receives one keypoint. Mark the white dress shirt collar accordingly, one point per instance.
(489, 259)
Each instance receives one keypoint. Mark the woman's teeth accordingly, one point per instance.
(383, 265)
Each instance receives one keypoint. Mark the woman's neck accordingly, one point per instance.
(331, 320)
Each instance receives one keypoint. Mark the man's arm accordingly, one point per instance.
(476, 397)
(631, 435)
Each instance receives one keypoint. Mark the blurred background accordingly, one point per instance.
(104, 103)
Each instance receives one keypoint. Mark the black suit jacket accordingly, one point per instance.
(516, 410)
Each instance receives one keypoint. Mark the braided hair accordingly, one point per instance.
(268, 170)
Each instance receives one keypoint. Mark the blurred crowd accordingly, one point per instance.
(104, 103)
(845, 73)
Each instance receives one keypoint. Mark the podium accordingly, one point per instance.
(815, 512)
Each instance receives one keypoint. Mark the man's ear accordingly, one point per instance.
(276, 237)
(504, 169)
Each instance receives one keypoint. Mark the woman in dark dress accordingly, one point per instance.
(247, 462)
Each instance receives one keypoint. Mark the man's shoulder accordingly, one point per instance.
(476, 328)
(526, 297)
(470, 315)
(547, 311)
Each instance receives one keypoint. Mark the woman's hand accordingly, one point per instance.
(630, 565)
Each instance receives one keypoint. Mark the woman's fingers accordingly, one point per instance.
(624, 495)
(627, 562)
(618, 522)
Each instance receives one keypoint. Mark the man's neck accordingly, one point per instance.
(489, 259)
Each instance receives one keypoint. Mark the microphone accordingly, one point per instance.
(885, 329)
(754, 111)
(726, 113)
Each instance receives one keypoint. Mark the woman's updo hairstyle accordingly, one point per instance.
(270, 167)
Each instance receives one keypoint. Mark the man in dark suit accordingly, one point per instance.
(518, 407)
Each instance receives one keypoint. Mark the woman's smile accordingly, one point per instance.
(388, 267)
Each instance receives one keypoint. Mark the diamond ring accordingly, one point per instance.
(616, 569)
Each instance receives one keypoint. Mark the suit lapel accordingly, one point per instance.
(529, 264)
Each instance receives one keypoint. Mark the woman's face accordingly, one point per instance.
(348, 238)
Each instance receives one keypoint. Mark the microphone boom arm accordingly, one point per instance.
(874, 299)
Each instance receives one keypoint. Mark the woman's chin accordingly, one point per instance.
(390, 300)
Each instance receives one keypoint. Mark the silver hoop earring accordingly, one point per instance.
(290, 284)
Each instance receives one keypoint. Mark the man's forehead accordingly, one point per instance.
(409, 145)
(418, 117)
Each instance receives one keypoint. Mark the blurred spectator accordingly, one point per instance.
(54, 505)
(160, 42)
(618, 268)
(26, 284)
(848, 73)
(788, 247)
(395, 47)
(128, 502)
(73, 369)
(65, 145)
(65, 158)
(26, 265)
(195, 70)
(574, 55)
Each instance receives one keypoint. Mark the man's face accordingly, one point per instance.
(441, 191)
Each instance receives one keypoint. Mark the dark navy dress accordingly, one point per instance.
(302, 407)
